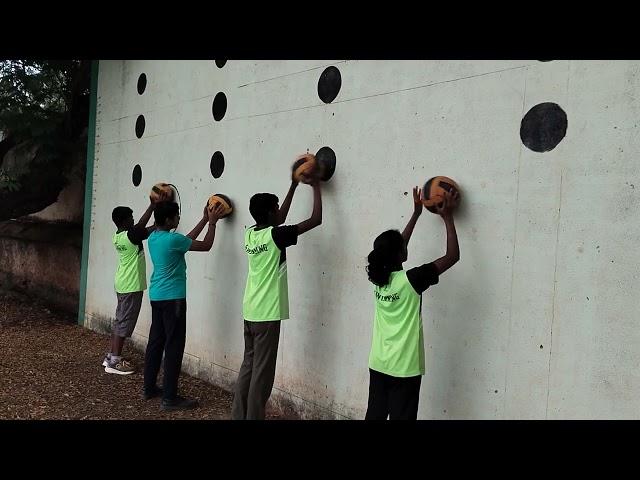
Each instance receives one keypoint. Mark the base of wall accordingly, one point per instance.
(283, 402)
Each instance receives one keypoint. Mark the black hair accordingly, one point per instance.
(164, 211)
(120, 214)
(260, 205)
(383, 259)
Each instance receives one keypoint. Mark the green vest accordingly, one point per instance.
(398, 346)
(131, 274)
(266, 296)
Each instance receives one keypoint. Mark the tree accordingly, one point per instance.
(44, 113)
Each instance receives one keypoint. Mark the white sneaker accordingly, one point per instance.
(121, 368)
(105, 362)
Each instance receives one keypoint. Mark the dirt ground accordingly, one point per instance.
(50, 368)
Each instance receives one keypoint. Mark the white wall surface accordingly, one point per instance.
(540, 317)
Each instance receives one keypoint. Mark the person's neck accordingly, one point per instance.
(396, 266)
(263, 225)
(164, 229)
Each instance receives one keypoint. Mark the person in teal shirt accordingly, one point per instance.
(396, 361)
(168, 296)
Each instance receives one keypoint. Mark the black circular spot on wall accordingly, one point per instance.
(140, 123)
(219, 106)
(220, 63)
(329, 84)
(543, 127)
(326, 158)
(136, 176)
(142, 83)
(217, 164)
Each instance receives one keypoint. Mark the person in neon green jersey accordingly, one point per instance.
(130, 282)
(396, 361)
(266, 300)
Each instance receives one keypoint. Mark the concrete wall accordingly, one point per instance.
(40, 253)
(538, 320)
(43, 260)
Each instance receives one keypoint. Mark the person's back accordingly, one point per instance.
(266, 291)
(397, 345)
(131, 272)
(169, 278)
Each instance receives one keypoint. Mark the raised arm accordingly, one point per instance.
(316, 216)
(212, 217)
(284, 208)
(417, 211)
(445, 210)
(193, 234)
(146, 216)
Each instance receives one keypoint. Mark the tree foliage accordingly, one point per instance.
(44, 108)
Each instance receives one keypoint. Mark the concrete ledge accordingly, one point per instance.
(49, 232)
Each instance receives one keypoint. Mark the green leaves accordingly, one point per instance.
(37, 95)
(44, 113)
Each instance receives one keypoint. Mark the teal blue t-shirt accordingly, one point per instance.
(169, 278)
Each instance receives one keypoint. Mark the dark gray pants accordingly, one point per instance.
(127, 313)
(258, 370)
